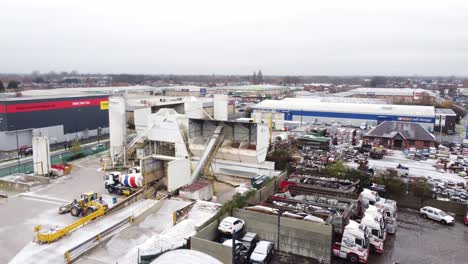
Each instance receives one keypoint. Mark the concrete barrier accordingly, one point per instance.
(14, 186)
(298, 237)
(41, 179)
(413, 202)
(204, 241)
(23, 186)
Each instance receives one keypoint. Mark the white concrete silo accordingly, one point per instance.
(41, 155)
(117, 126)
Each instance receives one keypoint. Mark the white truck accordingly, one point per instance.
(377, 232)
(123, 183)
(386, 207)
(354, 244)
(390, 214)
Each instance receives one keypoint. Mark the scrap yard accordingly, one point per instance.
(176, 177)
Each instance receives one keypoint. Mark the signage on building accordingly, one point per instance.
(53, 105)
(104, 105)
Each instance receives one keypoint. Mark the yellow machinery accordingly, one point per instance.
(90, 206)
(88, 203)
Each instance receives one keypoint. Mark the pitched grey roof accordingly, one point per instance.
(408, 130)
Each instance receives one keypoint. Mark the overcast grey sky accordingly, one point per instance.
(310, 37)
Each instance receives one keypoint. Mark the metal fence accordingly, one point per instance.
(74, 252)
(27, 167)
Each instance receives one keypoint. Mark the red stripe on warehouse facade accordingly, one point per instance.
(44, 106)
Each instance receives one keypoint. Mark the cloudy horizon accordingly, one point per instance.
(361, 37)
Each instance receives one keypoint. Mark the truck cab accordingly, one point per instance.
(390, 215)
(354, 244)
(111, 178)
(378, 215)
(377, 233)
(134, 170)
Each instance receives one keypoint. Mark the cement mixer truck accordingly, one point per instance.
(123, 183)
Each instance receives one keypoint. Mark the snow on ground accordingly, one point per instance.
(54, 252)
(156, 233)
(423, 168)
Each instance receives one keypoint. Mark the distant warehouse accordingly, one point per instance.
(62, 118)
(352, 114)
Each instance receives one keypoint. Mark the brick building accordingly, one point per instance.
(400, 135)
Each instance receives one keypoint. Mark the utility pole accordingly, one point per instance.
(280, 212)
(98, 134)
(233, 246)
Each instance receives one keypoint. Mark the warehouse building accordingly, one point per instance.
(392, 95)
(60, 118)
(63, 114)
(445, 120)
(347, 114)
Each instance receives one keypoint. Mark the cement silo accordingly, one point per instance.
(41, 155)
(117, 127)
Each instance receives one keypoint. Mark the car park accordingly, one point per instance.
(230, 224)
(437, 215)
(263, 252)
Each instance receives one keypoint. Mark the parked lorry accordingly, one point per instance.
(385, 207)
(377, 233)
(123, 184)
(354, 244)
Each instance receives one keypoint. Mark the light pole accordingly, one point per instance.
(280, 212)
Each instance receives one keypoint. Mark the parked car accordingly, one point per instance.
(240, 251)
(249, 240)
(28, 151)
(230, 225)
(437, 215)
(465, 219)
(263, 252)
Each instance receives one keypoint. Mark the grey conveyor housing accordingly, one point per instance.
(210, 148)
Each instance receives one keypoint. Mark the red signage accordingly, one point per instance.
(43, 106)
(2, 108)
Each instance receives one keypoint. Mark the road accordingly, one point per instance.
(41, 204)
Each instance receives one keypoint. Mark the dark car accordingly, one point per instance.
(240, 251)
(28, 151)
(249, 240)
